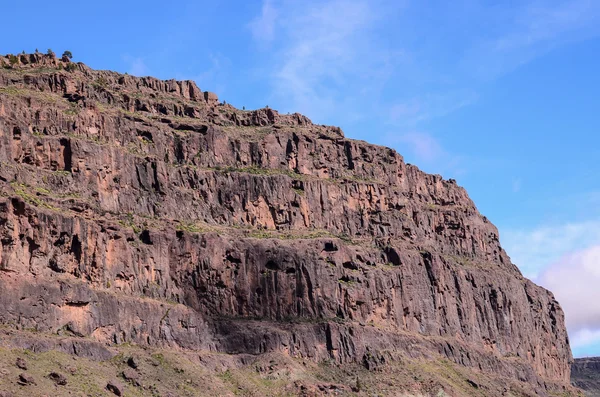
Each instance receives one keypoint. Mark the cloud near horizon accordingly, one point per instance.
(574, 280)
(566, 260)
(535, 249)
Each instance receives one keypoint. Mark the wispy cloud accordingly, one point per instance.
(540, 22)
(424, 146)
(529, 30)
(566, 260)
(427, 150)
(326, 51)
(516, 185)
(340, 61)
(584, 337)
(214, 78)
(331, 57)
(263, 26)
(429, 106)
(574, 279)
(535, 249)
(331, 60)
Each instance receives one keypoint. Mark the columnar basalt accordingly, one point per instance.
(146, 211)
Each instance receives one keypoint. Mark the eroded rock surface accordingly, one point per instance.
(135, 210)
(585, 374)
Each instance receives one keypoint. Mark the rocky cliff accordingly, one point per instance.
(147, 213)
(585, 374)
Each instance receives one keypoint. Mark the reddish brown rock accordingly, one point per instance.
(133, 362)
(115, 387)
(26, 379)
(21, 363)
(585, 374)
(131, 376)
(58, 378)
(140, 210)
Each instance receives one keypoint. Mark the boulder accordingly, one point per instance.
(115, 387)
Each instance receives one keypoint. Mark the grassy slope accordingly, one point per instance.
(213, 374)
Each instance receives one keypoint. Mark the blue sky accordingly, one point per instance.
(500, 95)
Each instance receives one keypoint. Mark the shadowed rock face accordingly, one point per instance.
(585, 374)
(145, 211)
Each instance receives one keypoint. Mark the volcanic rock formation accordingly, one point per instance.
(141, 211)
(585, 374)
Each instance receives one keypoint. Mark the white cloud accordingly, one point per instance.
(533, 250)
(566, 260)
(575, 281)
(584, 338)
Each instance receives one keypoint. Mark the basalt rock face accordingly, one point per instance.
(146, 211)
(585, 374)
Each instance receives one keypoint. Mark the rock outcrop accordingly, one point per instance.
(585, 374)
(135, 210)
